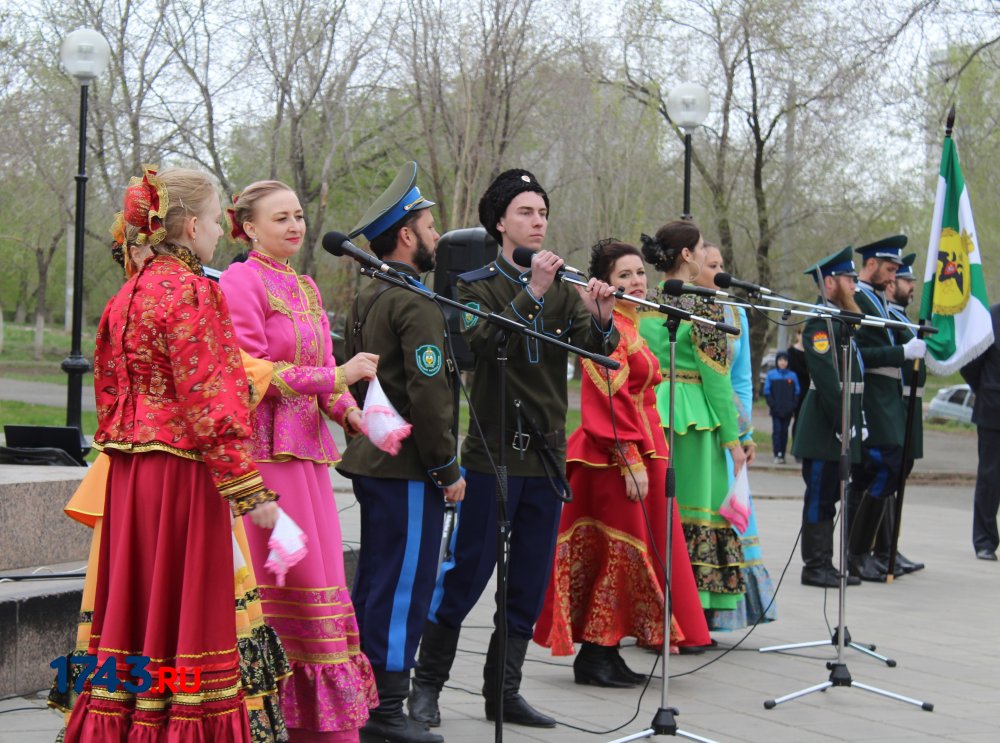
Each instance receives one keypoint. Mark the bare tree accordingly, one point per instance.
(764, 62)
(476, 73)
(314, 54)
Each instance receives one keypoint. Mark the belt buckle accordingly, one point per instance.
(521, 441)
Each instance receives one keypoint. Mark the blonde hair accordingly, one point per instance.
(247, 200)
(188, 193)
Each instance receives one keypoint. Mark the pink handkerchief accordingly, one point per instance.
(736, 507)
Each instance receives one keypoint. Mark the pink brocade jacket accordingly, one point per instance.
(279, 316)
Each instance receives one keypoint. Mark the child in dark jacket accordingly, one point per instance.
(782, 391)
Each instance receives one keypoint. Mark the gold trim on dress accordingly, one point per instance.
(130, 447)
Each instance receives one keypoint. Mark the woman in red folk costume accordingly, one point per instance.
(608, 580)
(279, 317)
(173, 416)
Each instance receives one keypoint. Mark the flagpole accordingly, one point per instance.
(949, 126)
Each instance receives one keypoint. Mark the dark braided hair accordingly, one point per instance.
(605, 253)
(664, 250)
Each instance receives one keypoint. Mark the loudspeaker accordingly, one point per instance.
(459, 251)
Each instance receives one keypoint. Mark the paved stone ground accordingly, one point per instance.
(941, 626)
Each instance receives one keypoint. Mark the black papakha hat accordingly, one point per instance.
(501, 192)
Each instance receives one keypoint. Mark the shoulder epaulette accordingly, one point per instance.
(486, 272)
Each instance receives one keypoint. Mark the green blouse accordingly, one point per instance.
(701, 361)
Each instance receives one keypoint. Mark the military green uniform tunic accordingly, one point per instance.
(820, 417)
(407, 332)
(884, 411)
(902, 336)
(536, 372)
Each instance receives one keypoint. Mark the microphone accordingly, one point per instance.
(676, 287)
(724, 281)
(338, 244)
(523, 256)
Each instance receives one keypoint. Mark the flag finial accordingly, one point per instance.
(950, 122)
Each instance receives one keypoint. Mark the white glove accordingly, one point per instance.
(914, 348)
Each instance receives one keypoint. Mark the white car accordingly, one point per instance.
(952, 403)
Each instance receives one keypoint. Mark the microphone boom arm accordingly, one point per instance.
(665, 309)
(494, 319)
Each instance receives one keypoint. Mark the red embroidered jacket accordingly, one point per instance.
(168, 377)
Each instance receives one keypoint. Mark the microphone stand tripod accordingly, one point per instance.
(505, 328)
(850, 320)
(664, 722)
(839, 673)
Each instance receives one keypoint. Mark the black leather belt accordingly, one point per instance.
(522, 440)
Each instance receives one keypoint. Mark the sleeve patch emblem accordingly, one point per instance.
(821, 342)
(468, 319)
(429, 360)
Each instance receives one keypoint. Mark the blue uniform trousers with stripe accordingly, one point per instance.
(401, 525)
(822, 480)
(878, 471)
(533, 509)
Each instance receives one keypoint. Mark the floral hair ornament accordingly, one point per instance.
(650, 242)
(236, 230)
(146, 206)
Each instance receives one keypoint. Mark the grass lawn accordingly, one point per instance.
(18, 361)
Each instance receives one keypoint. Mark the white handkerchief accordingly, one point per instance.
(383, 425)
(288, 546)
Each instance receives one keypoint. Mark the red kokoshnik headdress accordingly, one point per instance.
(146, 205)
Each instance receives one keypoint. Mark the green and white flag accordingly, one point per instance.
(954, 295)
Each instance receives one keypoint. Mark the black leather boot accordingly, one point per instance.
(883, 543)
(867, 517)
(595, 665)
(883, 540)
(817, 557)
(624, 671)
(387, 723)
(516, 709)
(437, 653)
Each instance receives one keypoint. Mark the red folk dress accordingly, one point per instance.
(607, 579)
(172, 406)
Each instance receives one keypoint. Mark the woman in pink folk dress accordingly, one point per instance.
(279, 316)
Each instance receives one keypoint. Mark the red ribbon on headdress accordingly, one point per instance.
(236, 230)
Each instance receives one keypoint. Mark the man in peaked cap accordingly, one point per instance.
(898, 295)
(874, 479)
(401, 496)
(817, 438)
(514, 210)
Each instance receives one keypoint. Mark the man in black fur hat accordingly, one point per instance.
(514, 210)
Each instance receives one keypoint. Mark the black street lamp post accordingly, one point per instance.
(85, 55)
